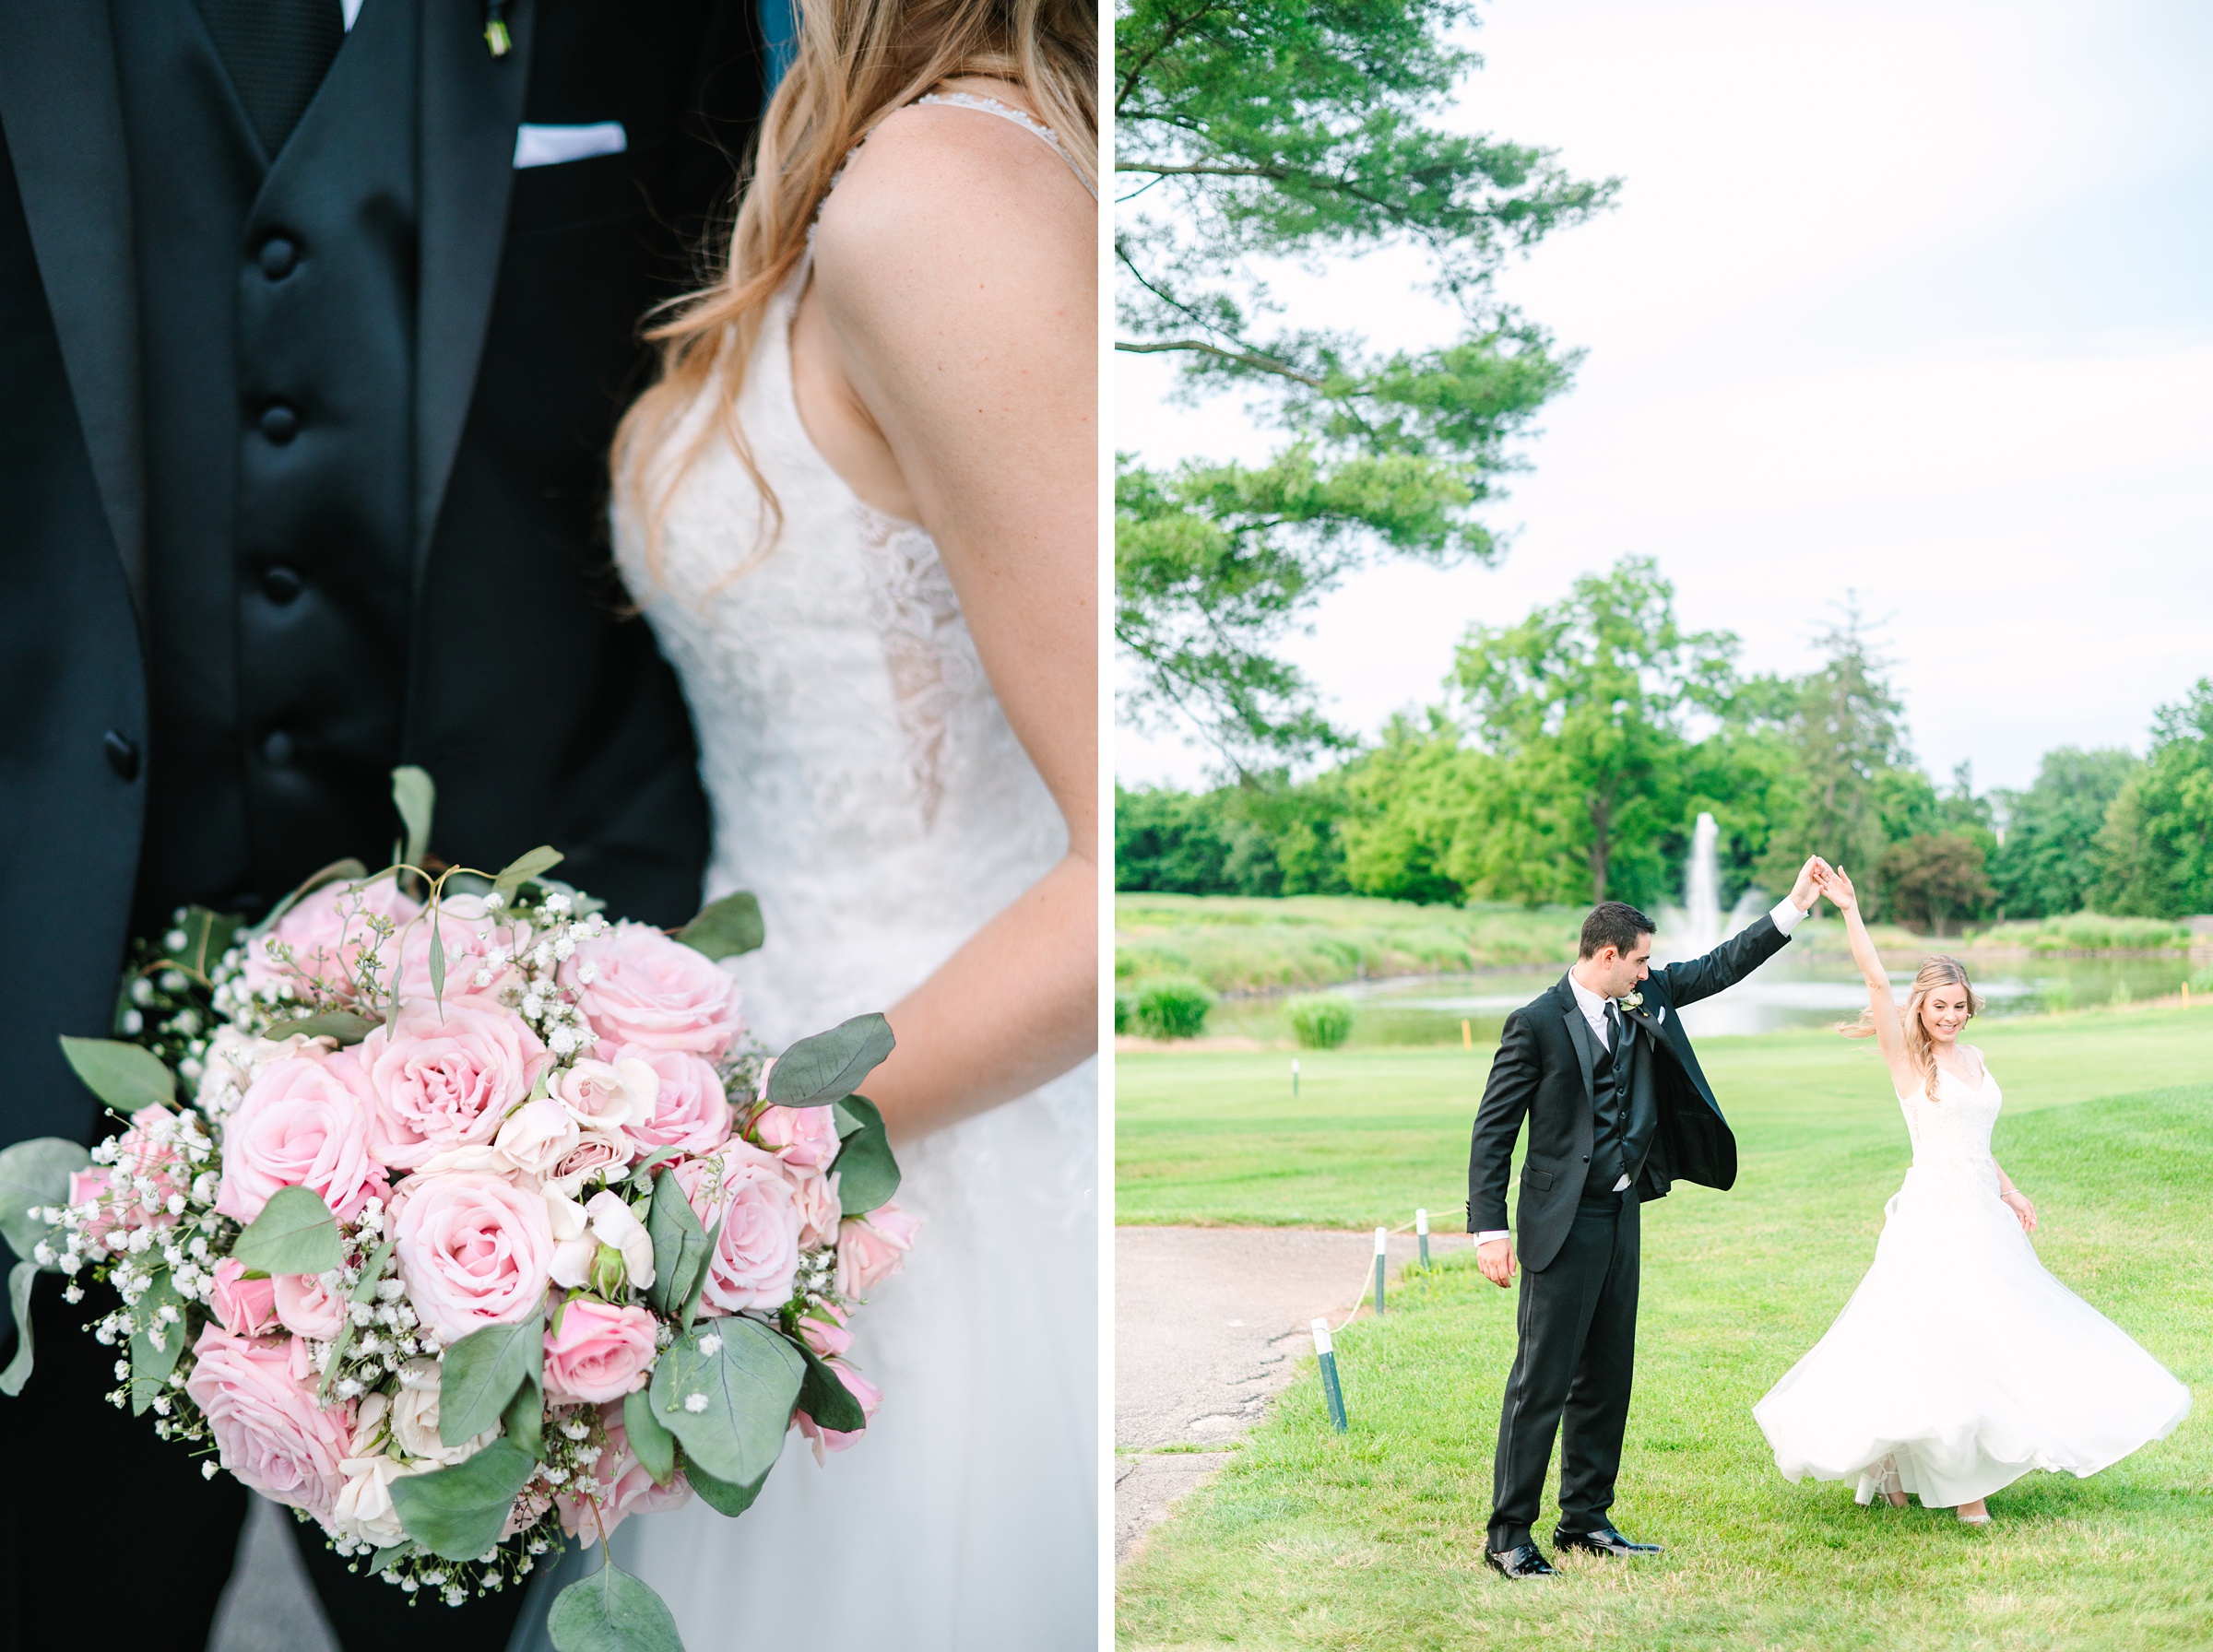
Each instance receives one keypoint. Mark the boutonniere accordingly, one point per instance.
(1632, 1000)
(496, 37)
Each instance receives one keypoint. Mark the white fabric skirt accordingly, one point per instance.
(1963, 1360)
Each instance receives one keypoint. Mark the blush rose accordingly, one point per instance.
(446, 1079)
(475, 1249)
(872, 1248)
(328, 932)
(756, 1254)
(635, 986)
(244, 1307)
(691, 1111)
(600, 1351)
(269, 1430)
(304, 1123)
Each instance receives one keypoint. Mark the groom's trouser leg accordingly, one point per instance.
(1598, 1399)
(109, 1537)
(1553, 1322)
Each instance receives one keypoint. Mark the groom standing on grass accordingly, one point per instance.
(1617, 1112)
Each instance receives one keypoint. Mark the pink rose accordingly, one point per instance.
(691, 1111)
(475, 1250)
(304, 1123)
(635, 986)
(804, 1137)
(446, 1079)
(600, 1352)
(327, 932)
(306, 1307)
(267, 1428)
(870, 1249)
(757, 1253)
(831, 1439)
(828, 1334)
(618, 1483)
(816, 1195)
(246, 1307)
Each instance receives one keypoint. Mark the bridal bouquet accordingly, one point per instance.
(461, 1219)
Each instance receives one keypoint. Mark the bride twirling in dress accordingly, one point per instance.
(859, 510)
(1960, 1364)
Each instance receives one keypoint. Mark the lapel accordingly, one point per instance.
(1579, 1034)
(62, 115)
(472, 103)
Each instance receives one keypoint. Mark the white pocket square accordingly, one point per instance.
(551, 146)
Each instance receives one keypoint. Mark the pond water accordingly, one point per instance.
(1807, 991)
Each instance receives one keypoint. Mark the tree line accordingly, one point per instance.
(1573, 752)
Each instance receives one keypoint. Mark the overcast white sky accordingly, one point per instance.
(1911, 296)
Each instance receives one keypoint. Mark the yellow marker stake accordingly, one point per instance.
(1467, 1036)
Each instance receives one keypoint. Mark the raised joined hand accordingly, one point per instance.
(1838, 888)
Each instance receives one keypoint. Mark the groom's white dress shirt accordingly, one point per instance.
(1594, 1006)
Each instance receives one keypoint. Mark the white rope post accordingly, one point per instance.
(1331, 1389)
(1382, 1253)
(1421, 1233)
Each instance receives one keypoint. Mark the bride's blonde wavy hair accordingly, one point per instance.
(856, 62)
(1921, 1049)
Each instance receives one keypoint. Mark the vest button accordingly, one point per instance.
(122, 756)
(277, 256)
(280, 422)
(281, 585)
(276, 749)
(1586, 1158)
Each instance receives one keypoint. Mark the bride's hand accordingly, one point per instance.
(2024, 1212)
(1838, 890)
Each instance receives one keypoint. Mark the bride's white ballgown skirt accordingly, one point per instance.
(866, 787)
(1960, 1358)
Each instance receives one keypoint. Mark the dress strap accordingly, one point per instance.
(1036, 129)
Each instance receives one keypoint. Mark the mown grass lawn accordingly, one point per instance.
(1216, 1138)
(1373, 1539)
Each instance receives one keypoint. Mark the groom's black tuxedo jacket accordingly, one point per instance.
(1544, 1073)
(516, 298)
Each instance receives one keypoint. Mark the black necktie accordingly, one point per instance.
(1613, 1028)
(277, 52)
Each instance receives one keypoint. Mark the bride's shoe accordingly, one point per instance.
(1982, 1519)
(1891, 1486)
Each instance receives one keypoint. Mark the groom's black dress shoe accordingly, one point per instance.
(1604, 1540)
(1527, 1561)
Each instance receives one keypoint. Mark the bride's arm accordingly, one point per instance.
(957, 276)
(1882, 1003)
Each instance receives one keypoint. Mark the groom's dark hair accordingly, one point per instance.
(1614, 924)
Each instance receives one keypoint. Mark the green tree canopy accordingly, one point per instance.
(1584, 704)
(1265, 131)
(2157, 843)
(2048, 864)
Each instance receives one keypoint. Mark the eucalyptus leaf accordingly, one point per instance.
(207, 935)
(480, 1374)
(698, 1285)
(612, 1612)
(295, 1233)
(679, 1244)
(524, 868)
(344, 1025)
(724, 928)
(20, 1277)
(654, 1446)
(719, 1494)
(349, 870)
(829, 1066)
(35, 1173)
(150, 1365)
(524, 1421)
(641, 1174)
(825, 1398)
(415, 795)
(743, 1379)
(437, 962)
(126, 1076)
(387, 1555)
(868, 1174)
(456, 1513)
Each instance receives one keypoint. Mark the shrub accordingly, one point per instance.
(1320, 1023)
(1173, 1008)
(1125, 1007)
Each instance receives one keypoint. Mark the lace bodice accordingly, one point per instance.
(1951, 1134)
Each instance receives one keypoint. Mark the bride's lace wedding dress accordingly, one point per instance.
(1960, 1359)
(866, 787)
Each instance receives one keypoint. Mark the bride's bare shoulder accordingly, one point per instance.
(938, 188)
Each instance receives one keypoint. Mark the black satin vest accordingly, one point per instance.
(278, 400)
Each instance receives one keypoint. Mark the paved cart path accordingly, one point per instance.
(1209, 1325)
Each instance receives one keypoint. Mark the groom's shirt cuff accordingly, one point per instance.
(1787, 916)
(1490, 1234)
